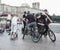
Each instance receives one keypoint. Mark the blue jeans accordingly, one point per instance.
(33, 24)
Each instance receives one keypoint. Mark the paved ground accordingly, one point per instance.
(27, 44)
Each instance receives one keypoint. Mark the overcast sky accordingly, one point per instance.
(53, 6)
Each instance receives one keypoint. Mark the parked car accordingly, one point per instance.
(2, 25)
(1, 30)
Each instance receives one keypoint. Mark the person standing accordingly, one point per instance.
(13, 27)
(42, 20)
(24, 18)
(9, 17)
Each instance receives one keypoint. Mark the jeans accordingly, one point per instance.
(32, 24)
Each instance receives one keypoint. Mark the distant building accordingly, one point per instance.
(36, 5)
(5, 9)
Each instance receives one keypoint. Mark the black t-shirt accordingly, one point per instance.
(41, 19)
(24, 16)
(31, 18)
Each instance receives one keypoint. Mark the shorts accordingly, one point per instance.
(13, 28)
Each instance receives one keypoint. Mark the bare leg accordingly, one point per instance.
(11, 35)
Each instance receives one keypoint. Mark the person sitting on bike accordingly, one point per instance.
(42, 20)
(48, 19)
(30, 21)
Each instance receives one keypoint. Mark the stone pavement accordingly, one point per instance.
(27, 43)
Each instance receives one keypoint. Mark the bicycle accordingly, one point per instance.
(50, 33)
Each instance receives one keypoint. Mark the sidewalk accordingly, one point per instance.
(27, 43)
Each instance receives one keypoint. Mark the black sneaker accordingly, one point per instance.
(9, 34)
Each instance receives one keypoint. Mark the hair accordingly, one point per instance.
(24, 12)
(28, 12)
(37, 14)
(45, 10)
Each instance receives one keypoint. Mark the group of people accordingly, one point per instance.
(31, 19)
(39, 19)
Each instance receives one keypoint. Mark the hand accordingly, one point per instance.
(26, 21)
(41, 24)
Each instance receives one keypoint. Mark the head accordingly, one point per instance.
(40, 13)
(24, 12)
(9, 15)
(46, 11)
(38, 16)
(33, 14)
(28, 12)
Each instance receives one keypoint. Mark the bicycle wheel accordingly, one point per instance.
(52, 35)
(36, 37)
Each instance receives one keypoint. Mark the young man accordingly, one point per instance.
(42, 21)
(24, 18)
(48, 20)
(9, 17)
(31, 22)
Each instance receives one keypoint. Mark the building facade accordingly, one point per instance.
(36, 5)
(19, 10)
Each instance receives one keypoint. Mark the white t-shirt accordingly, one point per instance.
(14, 20)
(9, 17)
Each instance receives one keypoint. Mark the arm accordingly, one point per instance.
(49, 18)
(23, 18)
(19, 21)
(41, 24)
(37, 22)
